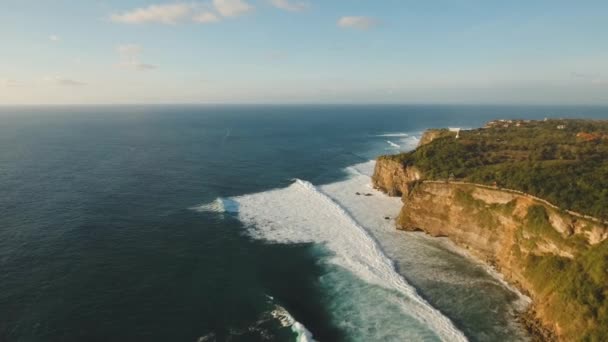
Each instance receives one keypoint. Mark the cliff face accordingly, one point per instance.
(494, 224)
(393, 178)
(512, 232)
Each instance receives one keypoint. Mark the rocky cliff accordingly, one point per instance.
(429, 135)
(539, 248)
(393, 178)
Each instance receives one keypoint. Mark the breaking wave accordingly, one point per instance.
(402, 141)
(220, 205)
(393, 135)
(393, 144)
(286, 320)
(301, 213)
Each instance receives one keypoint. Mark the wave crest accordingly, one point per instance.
(393, 144)
(301, 213)
(220, 205)
(286, 320)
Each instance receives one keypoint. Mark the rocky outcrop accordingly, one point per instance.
(429, 135)
(393, 178)
(505, 229)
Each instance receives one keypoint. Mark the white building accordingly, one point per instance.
(455, 129)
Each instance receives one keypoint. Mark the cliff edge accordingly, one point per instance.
(559, 258)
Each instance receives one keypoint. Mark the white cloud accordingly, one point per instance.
(130, 58)
(232, 8)
(206, 18)
(288, 5)
(195, 12)
(10, 83)
(164, 14)
(54, 38)
(66, 82)
(592, 78)
(357, 22)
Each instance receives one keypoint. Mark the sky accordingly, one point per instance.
(303, 51)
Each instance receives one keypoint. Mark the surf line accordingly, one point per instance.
(301, 213)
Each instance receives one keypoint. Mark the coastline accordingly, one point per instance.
(525, 310)
(361, 227)
(550, 253)
(526, 313)
(386, 221)
(381, 302)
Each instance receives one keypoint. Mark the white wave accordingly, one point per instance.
(207, 338)
(393, 135)
(302, 213)
(406, 141)
(409, 143)
(220, 205)
(286, 320)
(393, 144)
(363, 169)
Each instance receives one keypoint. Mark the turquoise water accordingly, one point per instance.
(152, 223)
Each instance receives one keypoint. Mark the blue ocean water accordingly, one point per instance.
(108, 230)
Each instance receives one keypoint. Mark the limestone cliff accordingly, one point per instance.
(515, 233)
(393, 178)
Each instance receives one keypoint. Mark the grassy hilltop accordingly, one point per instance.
(562, 161)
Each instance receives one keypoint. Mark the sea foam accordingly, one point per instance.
(286, 320)
(392, 144)
(393, 135)
(401, 141)
(302, 213)
(220, 205)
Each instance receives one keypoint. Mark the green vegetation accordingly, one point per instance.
(480, 210)
(576, 291)
(537, 223)
(562, 161)
(539, 227)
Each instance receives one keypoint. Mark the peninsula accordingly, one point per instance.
(530, 198)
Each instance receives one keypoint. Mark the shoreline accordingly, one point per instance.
(482, 192)
(524, 312)
(516, 307)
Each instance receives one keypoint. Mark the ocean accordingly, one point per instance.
(232, 223)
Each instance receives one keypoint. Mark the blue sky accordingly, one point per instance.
(303, 51)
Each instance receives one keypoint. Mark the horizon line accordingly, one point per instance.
(306, 104)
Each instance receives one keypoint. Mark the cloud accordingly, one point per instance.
(66, 82)
(130, 58)
(196, 12)
(232, 8)
(579, 75)
(9, 83)
(69, 82)
(163, 14)
(206, 18)
(357, 22)
(54, 38)
(288, 5)
(594, 79)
